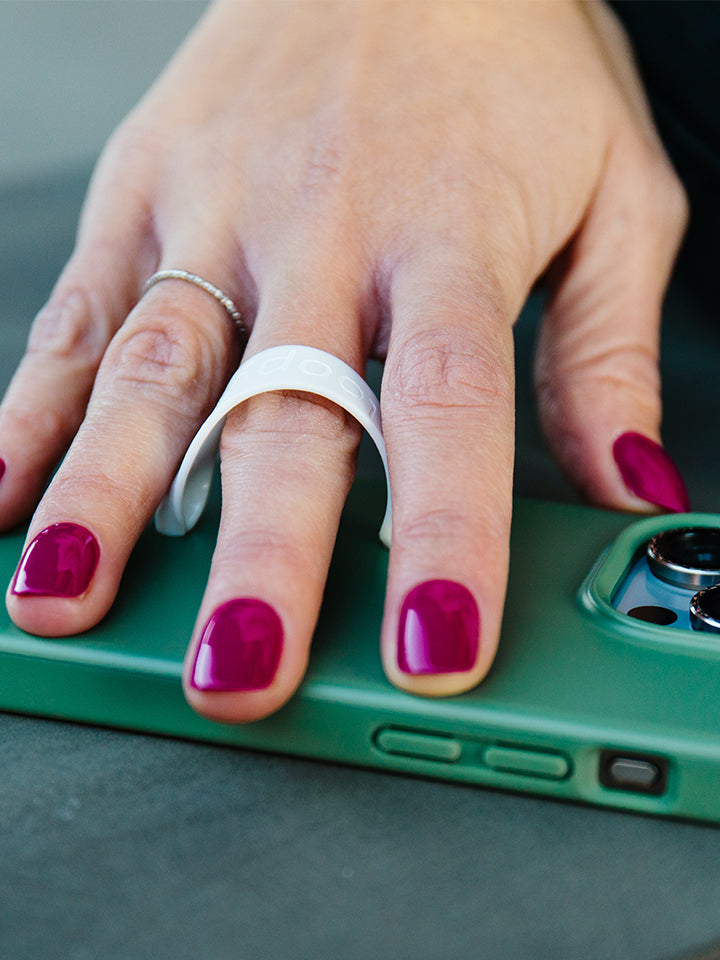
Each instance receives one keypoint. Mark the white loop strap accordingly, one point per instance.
(279, 368)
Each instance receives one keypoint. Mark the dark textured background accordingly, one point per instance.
(677, 46)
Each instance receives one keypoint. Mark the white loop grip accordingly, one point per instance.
(279, 368)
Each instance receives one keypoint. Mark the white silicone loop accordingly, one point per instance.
(279, 368)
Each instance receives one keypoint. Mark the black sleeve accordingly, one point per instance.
(677, 45)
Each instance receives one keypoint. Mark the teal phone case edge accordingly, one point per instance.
(345, 704)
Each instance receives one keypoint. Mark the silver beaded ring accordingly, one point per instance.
(205, 285)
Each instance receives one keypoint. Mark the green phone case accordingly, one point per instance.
(576, 686)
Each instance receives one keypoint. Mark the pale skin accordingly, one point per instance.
(370, 178)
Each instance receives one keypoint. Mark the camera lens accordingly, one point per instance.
(686, 557)
(705, 610)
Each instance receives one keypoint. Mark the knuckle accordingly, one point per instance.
(631, 363)
(254, 543)
(327, 161)
(675, 199)
(449, 524)
(127, 169)
(329, 158)
(662, 193)
(323, 175)
(72, 325)
(131, 147)
(626, 374)
(668, 195)
(443, 370)
(169, 358)
(129, 504)
(433, 524)
(44, 429)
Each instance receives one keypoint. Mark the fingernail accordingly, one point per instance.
(2, 467)
(649, 473)
(240, 647)
(59, 562)
(439, 629)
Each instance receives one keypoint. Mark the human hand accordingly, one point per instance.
(382, 178)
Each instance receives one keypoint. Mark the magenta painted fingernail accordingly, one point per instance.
(2, 468)
(59, 562)
(240, 647)
(439, 629)
(649, 473)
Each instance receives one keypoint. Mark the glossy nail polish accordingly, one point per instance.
(439, 629)
(59, 562)
(649, 473)
(2, 468)
(240, 647)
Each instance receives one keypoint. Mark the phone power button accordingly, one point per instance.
(636, 773)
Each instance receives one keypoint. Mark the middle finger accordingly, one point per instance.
(288, 459)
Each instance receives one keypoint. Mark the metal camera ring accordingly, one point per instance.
(705, 610)
(687, 557)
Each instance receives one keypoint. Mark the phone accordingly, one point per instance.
(586, 701)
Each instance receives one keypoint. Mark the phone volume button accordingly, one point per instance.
(423, 746)
(527, 763)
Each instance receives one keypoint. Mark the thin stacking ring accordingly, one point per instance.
(210, 288)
